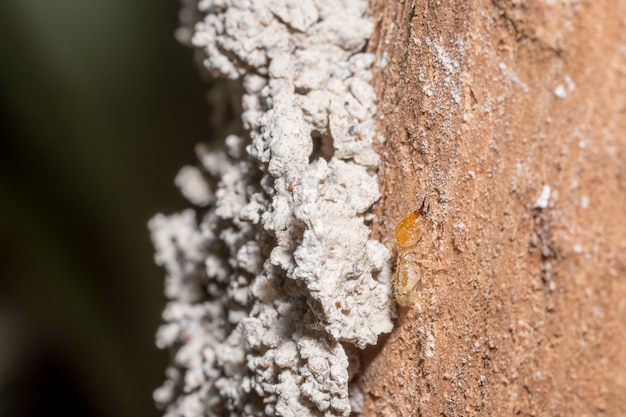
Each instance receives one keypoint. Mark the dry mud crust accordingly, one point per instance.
(510, 118)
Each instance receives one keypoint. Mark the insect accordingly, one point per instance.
(409, 270)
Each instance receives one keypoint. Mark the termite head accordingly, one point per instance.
(409, 229)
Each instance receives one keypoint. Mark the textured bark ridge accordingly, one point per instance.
(510, 118)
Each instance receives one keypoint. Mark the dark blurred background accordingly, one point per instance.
(99, 108)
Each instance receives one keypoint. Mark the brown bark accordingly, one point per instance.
(484, 104)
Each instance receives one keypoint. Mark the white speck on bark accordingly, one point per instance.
(544, 197)
(277, 282)
(560, 92)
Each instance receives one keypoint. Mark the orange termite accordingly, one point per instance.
(408, 273)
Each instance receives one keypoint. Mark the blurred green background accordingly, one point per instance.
(100, 107)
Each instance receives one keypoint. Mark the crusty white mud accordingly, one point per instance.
(273, 283)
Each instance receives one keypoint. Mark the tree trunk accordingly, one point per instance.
(510, 118)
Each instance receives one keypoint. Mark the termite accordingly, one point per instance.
(409, 270)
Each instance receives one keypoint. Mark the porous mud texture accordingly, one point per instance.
(510, 118)
(273, 282)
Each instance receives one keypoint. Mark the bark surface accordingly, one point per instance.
(521, 304)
